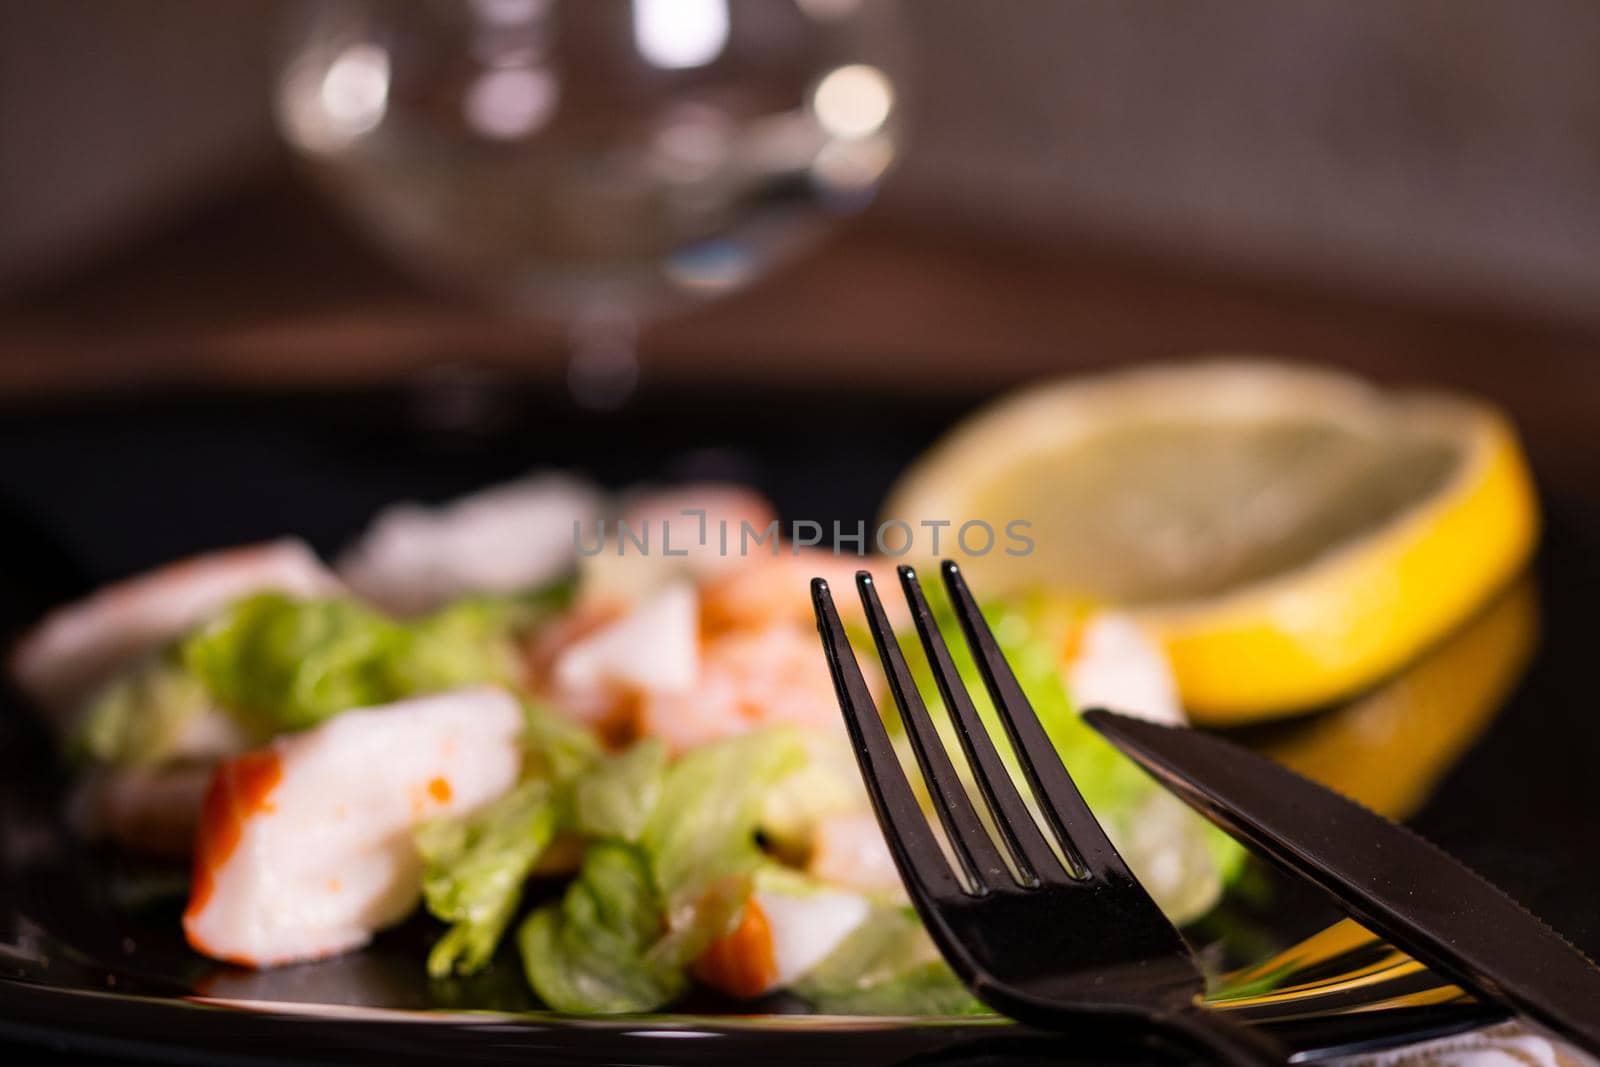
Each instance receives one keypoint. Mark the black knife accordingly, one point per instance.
(1398, 885)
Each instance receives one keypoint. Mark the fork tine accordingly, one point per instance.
(1074, 824)
(1012, 819)
(916, 851)
(974, 849)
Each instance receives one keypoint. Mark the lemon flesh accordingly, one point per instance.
(1290, 534)
(1157, 511)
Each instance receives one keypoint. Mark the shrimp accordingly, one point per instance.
(747, 679)
(654, 648)
(304, 847)
(516, 536)
(704, 521)
(77, 648)
(599, 675)
(782, 933)
(648, 673)
(778, 588)
(692, 533)
(542, 648)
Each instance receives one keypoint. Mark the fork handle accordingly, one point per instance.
(1225, 1040)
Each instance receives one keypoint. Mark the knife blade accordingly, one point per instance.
(1397, 884)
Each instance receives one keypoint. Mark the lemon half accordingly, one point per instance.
(1388, 749)
(1291, 534)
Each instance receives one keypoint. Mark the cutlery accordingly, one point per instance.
(1056, 937)
(1386, 877)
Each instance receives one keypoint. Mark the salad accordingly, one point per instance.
(626, 768)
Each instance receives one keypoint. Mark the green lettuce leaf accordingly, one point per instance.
(556, 748)
(701, 837)
(829, 784)
(140, 717)
(464, 642)
(474, 869)
(617, 797)
(271, 663)
(590, 951)
(282, 664)
(887, 966)
(476, 865)
(472, 639)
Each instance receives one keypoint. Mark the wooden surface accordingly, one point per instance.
(269, 289)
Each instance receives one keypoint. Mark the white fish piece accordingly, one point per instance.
(304, 848)
(849, 850)
(784, 932)
(1118, 666)
(807, 927)
(654, 648)
(78, 647)
(516, 536)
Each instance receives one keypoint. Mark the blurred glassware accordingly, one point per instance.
(599, 161)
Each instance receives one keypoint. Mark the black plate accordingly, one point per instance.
(90, 956)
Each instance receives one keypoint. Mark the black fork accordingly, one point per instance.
(1054, 944)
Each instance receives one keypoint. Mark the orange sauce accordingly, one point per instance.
(439, 789)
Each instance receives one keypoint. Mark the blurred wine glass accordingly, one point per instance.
(599, 161)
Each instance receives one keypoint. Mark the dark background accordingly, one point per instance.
(1411, 189)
